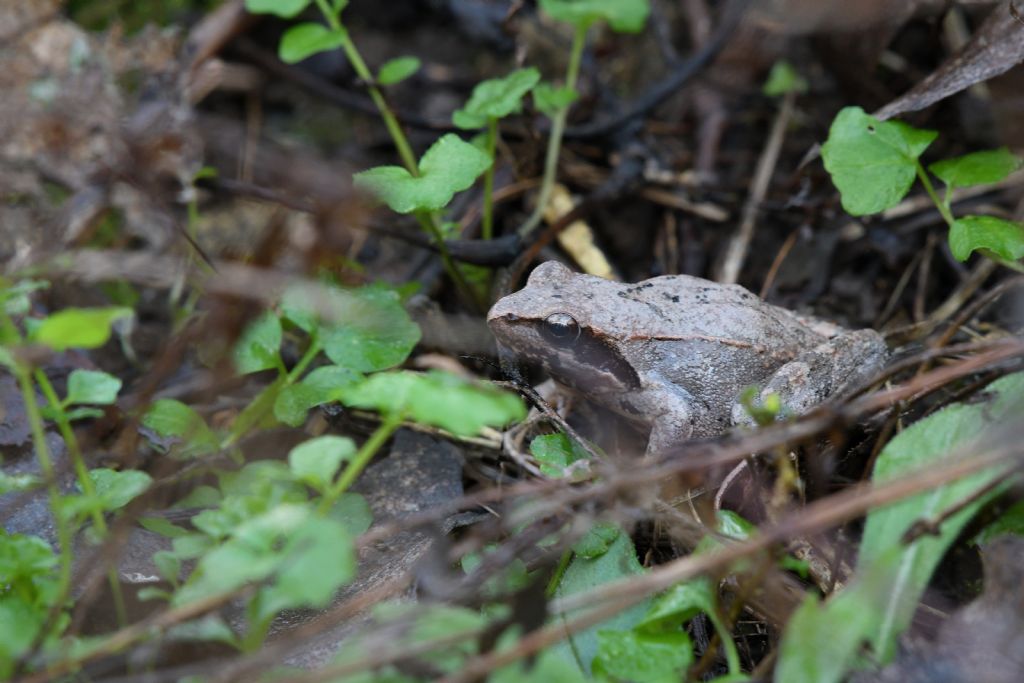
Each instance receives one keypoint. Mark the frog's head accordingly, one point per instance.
(552, 322)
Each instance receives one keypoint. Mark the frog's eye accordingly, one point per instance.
(561, 328)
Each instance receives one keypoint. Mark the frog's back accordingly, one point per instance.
(684, 308)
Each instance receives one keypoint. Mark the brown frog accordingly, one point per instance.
(675, 352)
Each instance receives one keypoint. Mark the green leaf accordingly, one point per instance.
(821, 641)
(624, 16)
(79, 414)
(168, 564)
(305, 40)
(551, 99)
(259, 346)
(587, 574)
(92, 387)
(31, 588)
(173, 419)
(449, 166)
(496, 98)
(372, 331)
(548, 668)
(78, 328)
(873, 163)
(921, 446)
(286, 9)
(1003, 238)
(397, 70)
(315, 462)
(322, 385)
(318, 557)
(783, 79)
(683, 602)
(643, 657)
(597, 541)
(977, 168)
(302, 557)
(116, 489)
(437, 398)
(353, 512)
(162, 526)
(16, 298)
(555, 452)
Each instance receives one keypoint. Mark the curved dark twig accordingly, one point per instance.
(664, 89)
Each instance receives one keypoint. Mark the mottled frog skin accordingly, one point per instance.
(675, 352)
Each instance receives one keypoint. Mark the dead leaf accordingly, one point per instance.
(996, 47)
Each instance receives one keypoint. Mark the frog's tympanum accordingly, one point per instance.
(676, 352)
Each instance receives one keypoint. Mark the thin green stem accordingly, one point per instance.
(84, 481)
(557, 130)
(356, 466)
(556, 576)
(429, 221)
(311, 353)
(487, 229)
(35, 420)
(943, 207)
(354, 58)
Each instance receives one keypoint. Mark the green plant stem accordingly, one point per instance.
(487, 229)
(311, 353)
(84, 481)
(356, 466)
(556, 576)
(354, 58)
(943, 207)
(35, 420)
(253, 413)
(557, 130)
(430, 222)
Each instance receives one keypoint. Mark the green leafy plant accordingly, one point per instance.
(101, 490)
(892, 575)
(627, 16)
(874, 163)
(445, 167)
(490, 101)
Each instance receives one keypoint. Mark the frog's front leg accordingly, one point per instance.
(675, 416)
(832, 367)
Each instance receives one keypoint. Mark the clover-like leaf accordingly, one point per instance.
(643, 657)
(78, 328)
(117, 488)
(977, 168)
(437, 398)
(305, 40)
(496, 98)
(1001, 237)
(873, 163)
(555, 452)
(374, 331)
(625, 16)
(322, 385)
(92, 387)
(550, 99)
(782, 79)
(397, 70)
(449, 166)
(315, 462)
(286, 9)
(259, 346)
(173, 419)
